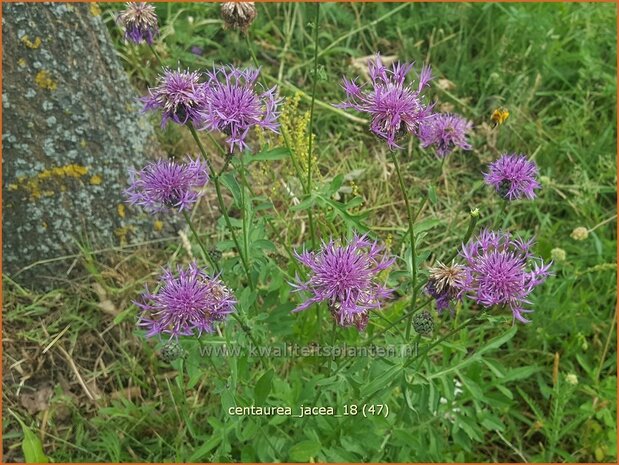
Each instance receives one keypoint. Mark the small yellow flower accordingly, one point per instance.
(571, 379)
(499, 116)
(580, 233)
(558, 254)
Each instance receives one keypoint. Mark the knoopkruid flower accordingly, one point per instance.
(445, 132)
(395, 108)
(139, 21)
(238, 15)
(179, 96)
(444, 284)
(167, 184)
(513, 177)
(501, 270)
(186, 303)
(346, 277)
(235, 102)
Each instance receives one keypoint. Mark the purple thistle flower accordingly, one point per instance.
(395, 108)
(501, 270)
(197, 50)
(513, 177)
(186, 303)
(445, 132)
(179, 95)
(345, 277)
(167, 184)
(234, 104)
(139, 21)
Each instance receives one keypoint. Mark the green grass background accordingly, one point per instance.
(553, 67)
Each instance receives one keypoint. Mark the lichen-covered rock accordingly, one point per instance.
(71, 130)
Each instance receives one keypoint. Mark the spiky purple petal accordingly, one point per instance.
(235, 102)
(186, 303)
(167, 184)
(346, 277)
(445, 132)
(513, 177)
(501, 270)
(395, 108)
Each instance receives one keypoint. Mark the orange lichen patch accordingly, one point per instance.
(21, 62)
(44, 80)
(67, 171)
(121, 210)
(96, 180)
(36, 43)
(158, 225)
(38, 185)
(95, 10)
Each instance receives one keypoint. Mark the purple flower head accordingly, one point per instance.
(167, 184)
(345, 276)
(513, 177)
(501, 270)
(186, 303)
(197, 50)
(139, 21)
(445, 132)
(235, 102)
(395, 108)
(179, 95)
(444, 284)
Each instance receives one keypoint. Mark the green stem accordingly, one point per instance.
(200, 243)
(154, 52)
(311, 124)
(443, 338)
(222, 205)
(411, 231)
(246, 329)
(467, 236)
(244, 222)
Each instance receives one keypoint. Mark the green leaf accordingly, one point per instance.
(426, 225)
(228, 180)
(303, 451)
(208, 446)
(263, 387)
(381, 381)
(432, 194)
(279, 153)
(31, 445)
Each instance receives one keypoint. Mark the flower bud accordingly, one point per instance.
(172, 351)
(238, 15)
(423, 323)
(580, 233)
(558, 254)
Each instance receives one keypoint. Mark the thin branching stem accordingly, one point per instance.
(411, 232)
(311, 125)
(222, 205)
